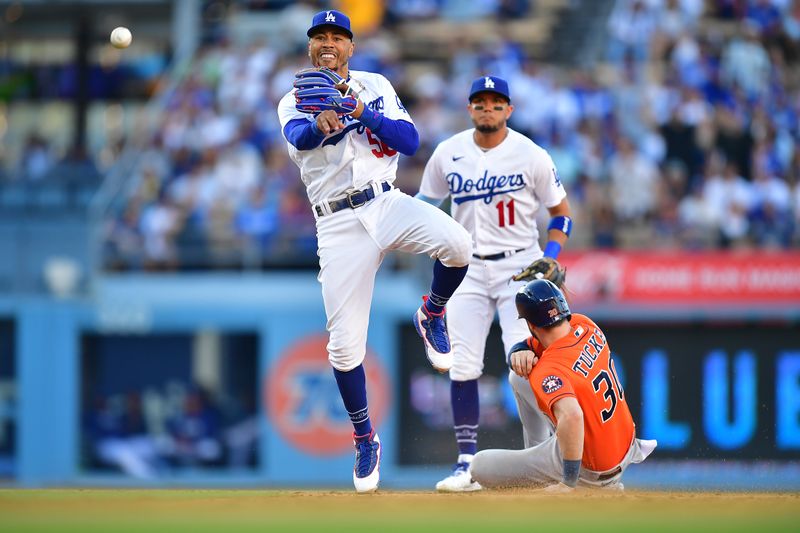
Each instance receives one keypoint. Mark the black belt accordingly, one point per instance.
(498, 255)
(609, 475)
(353, 200)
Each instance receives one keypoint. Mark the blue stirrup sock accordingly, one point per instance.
(445, 282)
(466, 411)
(353, 389)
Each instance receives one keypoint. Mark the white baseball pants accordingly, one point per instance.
(470, 312)
(352, 244)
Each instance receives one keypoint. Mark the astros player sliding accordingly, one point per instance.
(498, 179)
(344, 131)
(571, 379)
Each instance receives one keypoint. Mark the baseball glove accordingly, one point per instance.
(321, 89)
(543, 268)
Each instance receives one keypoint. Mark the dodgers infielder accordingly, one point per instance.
(347, 155)
(498, 179)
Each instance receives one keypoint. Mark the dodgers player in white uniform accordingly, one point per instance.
(347, 150)
(497, 179)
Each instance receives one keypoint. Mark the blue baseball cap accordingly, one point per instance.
(490, 84)
(330, 18)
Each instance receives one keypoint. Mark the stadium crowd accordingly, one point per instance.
(683, 135)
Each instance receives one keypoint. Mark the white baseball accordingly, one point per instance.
(121, 37)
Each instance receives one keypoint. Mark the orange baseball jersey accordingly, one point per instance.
(580, 365)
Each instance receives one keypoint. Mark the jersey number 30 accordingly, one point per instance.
(613, 390)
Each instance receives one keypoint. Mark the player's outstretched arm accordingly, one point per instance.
(569, 432)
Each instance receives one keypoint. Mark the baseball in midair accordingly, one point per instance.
(121, 37)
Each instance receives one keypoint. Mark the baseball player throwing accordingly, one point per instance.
(344, 131)
(498, 179)
(571, 379)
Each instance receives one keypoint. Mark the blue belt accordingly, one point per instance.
(353, 200)
(498, 255)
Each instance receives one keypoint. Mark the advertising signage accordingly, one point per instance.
(704, 391)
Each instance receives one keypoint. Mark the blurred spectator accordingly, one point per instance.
(681, 145)
(634, 182)
(697, 221)
(631, 27)
(36, 160)
(120, 436)
(195, 432)
(771, 214)
(257, 221)
(791, 21)
(733, 139)
(512, 9)
(745, 62)
(765, 16)
(730, 199)
(159, 225)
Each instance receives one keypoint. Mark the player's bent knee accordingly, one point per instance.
(344, 362)
(478, 469)
(457, 249)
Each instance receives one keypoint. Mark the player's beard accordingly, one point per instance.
(487, 128)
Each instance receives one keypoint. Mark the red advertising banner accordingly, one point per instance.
(681, 277)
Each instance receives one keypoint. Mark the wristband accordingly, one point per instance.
(552, 249)
(571, 471)
(561, 223)
(371, 119)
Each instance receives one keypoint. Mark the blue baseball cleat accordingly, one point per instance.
(366, 471)
(433, 330)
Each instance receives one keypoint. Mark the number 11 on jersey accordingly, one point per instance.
(501, 213)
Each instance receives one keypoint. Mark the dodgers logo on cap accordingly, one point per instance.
(330, 17)
(491, 84)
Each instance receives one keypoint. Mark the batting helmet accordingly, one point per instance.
(542, 304)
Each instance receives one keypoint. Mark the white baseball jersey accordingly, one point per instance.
(353, 242)
(495, 196)
(496, 193)
(351, 158)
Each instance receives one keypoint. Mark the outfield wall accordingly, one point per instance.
(719, 390)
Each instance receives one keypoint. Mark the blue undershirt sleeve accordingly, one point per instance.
(399, 135)
(302, 134)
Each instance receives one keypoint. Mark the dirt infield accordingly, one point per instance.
(81, 510)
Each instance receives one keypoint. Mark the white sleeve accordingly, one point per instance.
(393, 108)
(434, 184)
(288, 111)
(546, 184)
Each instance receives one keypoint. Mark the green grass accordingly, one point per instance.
(80, 510)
